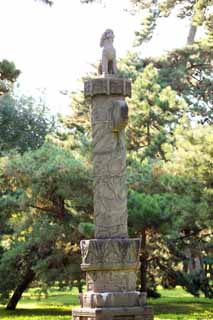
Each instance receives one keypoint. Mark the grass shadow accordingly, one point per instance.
(54, 300)
(40, 312)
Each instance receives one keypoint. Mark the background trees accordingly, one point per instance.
(48, 193)
(24, 123)
(8, 75)
(199, 13)
(171, 96)
(155, 111)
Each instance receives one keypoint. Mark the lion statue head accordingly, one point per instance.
(108, 34)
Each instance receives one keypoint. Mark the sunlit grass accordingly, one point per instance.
(173, 305)
(34, 306)
(180, 305)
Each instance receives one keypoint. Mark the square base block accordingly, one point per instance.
(122, 313)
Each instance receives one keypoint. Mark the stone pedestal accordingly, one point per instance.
(111, 260)
(122, 313)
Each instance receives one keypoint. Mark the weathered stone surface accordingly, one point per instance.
(107, 86)
(111, 281)
(110, 254)
(120, 313)
(109, 117)
(113, 299)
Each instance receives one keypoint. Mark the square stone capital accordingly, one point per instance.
(107, 86)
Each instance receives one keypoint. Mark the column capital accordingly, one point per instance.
(107, 86)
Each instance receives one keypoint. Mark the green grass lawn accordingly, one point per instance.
(174, 304)
(180, 305)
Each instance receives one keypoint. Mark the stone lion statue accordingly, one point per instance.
(108, 61)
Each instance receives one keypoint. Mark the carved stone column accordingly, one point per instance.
(109, 117)
(111, 260)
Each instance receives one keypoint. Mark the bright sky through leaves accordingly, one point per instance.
(55, 46)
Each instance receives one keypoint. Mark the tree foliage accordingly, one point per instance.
(49, 192)
(8, 75)
(172, 201)
(24, 123)
(168, 92)
(198, 11)
(155, 111)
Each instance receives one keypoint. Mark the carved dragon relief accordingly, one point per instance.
(109, 158)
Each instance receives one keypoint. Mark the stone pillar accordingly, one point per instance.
(111, 260)
(109, 117)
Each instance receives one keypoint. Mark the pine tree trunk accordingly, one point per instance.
(80, 286)
(28, 278)
(143, 260)
(148, 135)
(192, 34)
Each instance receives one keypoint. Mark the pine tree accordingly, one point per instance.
(47, 195)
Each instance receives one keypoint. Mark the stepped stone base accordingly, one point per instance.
(111, 272)
(121, 313)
